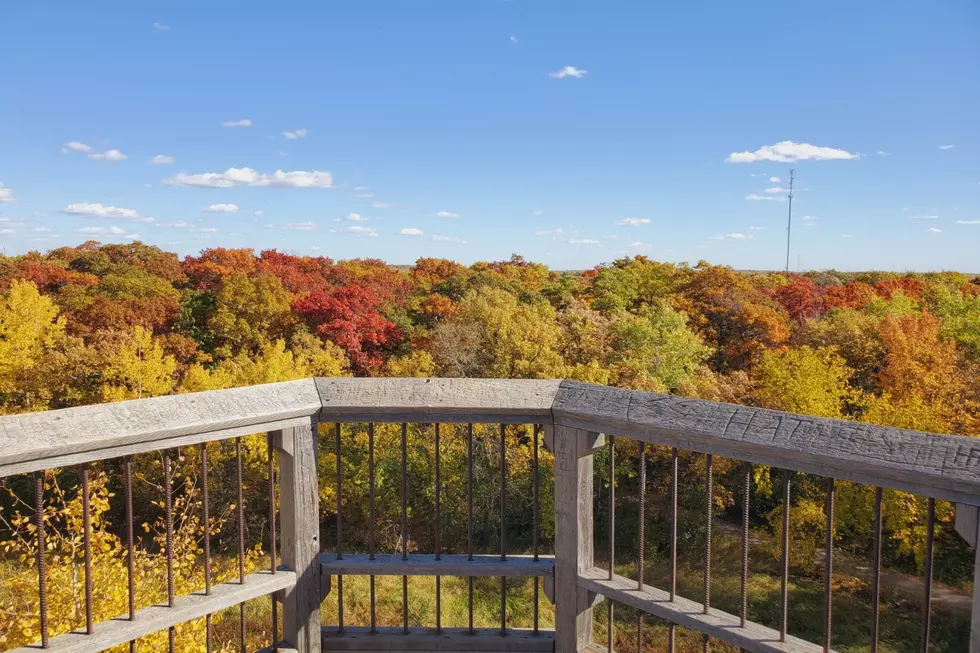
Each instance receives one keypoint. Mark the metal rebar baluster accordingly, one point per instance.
(708, 514)
(610, 627)
(674, 477)
(168, 508)
(340, 521)
(642, 466)
(206, 520)
(241, 540)
(130, 543)
(469, 515)
(612, 537)
(535, 519)
(927, 580)
(272, 536)
(784, 560)
(744, 578)
(404, 498)
(438, 529)
(876, 578)
(503, 526)
(371, 540)
(87, 550)
(828, 568)
(42, 567)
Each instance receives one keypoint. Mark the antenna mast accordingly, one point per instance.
(789, 220)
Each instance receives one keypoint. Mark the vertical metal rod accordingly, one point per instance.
(469, 514)
(705, 644)
(927, 581)
(241, 539)
(612, 508)
(610, 626)
(828, 568)
(340, 521)
(206, 520)
(130, 543)
(674, 478)
(708, 513)
(371, 540)
(272, 536)
(639, 632)
(438, 529)
(876, 579)
(503, 526)
(784, 560)
(42, 567)
(535, 520)
(404, 498)
(744, 579)
(168, 507)
(642, 465)
(87, 546)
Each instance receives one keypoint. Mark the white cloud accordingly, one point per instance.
(97, 210)
(946, 147)
(922, 217)
(249, 177)
(353, 217)
(222, 208)
(108, 155)
(357, 230)
(175, 225)
(410, 231)
(883, 153)
(11, 223)
(75, 146)
(381, 205)
(847, 235)
(788, 151)
(447, 239)
(259, 212)
(968, 222)
(583, 241)
(633, 222)
(300, 226)
(7, 232)
(538, 212)
(244, 122)
(775, 190)
(162, 158)
(160, 27)
(513, 38)
(360, 188)
(364, 196)
(6, 194)
(774, 180)
(553, 232)
(42, 230)
(757, 228)
(207, 230)
(933, 230)
(569, 71)
(102, 231)
(642, 247)
(447, 214)
(295, 135)
(755, 197)
(735, 236)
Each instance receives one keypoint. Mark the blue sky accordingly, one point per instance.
(570, 132)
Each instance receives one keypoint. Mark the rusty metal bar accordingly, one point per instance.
(241, 539)
(206, 520)
(927, 580)
(784, 560)
(535, 519)
(404, 498)
(744, 578)
(372, 543)
(503, 526)
(876, 579)
(438, 529)
(272, 535)
(674, 478)
(168, 507)
(42, 566)
(87, 548)
(469, 515)
(612, 506)
(610, 626)
(708, 513)
(340, 521)
(642, 465)
(828, 568)
(130, 542)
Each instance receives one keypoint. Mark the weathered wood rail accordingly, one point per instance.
(575, 420)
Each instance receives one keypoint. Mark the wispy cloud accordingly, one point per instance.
(583, 241)
(98, 210)
(883, 153)
(933, 230)
(162, 158)
(569, 71)
(757, 228)
(538, 212)
(633, 222)
(847, 235)
(968, 222)
(357, 230)
(160, 27)
(108, 155)
(410, 231)
(775, 190)
(299, 226)
(295, 135)
(774, 180)
(353, 217)
(6, 194)
(513, 38)
(42, 230)
(788, 152)
(734, 236)
(249, 177)
(112, 231)
(757, 198)
(380, 205)
(922, 217)
(244, 122)
(447, 214)
(447, 239)
(222, 208)
(364, 196)
(76, 146)
(946, 147)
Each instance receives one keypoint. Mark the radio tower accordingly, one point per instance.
(789, 220)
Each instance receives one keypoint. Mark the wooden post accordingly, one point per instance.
(299, 506)
(573, 536)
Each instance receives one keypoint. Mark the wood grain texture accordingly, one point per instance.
(436, 400)
(427, 565)
(299, 507)
(942, 466)
(716, 624)
(160, 617)
(517, 640)
(50, 434)
(573, 537)
(967, 522)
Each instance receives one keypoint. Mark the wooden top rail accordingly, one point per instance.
(945, 467)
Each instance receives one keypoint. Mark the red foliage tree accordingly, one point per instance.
(802, 299)
(906, 285)
(299, 274)
(855, 295)
(207, 270)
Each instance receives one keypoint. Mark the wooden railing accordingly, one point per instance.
(573, 419)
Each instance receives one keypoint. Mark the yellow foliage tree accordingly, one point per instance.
(136, 367)
(29, 329)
